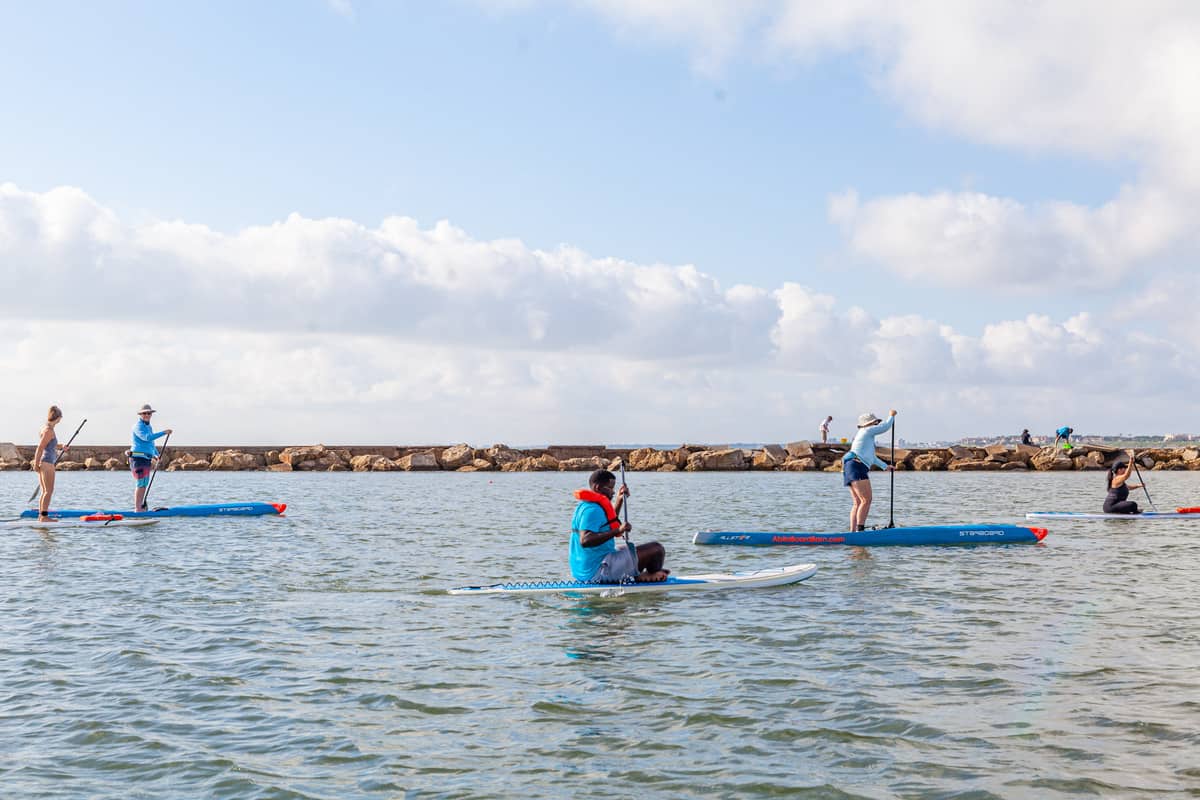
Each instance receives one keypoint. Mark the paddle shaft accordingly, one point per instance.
(146, 496)
(892, 493)
(38, 490)
(625, 500)
(1133, 460)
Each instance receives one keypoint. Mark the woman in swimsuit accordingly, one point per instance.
(1117, 501)
(45, 457)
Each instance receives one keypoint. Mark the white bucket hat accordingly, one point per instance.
(868, 419)
(146, 409)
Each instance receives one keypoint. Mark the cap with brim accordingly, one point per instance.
(146, 409)
(868, 419)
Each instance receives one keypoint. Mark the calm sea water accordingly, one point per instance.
(317, 657)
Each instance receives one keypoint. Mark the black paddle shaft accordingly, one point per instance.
(892, 493)
(146, 496)
(625, 501)
(1133, 460)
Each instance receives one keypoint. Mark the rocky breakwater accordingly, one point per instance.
(799, 456)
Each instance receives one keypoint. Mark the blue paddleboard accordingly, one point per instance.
(925, 534)
(208, 510)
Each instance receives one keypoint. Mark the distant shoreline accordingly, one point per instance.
(801, 456)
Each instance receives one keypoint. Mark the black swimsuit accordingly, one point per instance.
(1118, 501)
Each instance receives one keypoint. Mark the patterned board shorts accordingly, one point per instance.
(618, 566)
(140, 467)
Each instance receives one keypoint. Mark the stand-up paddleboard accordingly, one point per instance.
(88, 521)
(927, 534)
(209, 510)
(756, 579)
(1179, 513)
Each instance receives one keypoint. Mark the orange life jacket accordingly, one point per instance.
(588, 496)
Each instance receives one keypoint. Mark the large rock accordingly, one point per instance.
(778, 453)
(959, 452)
(706, 460)
(272, 457)
(296, 456)
(192, 465)
(582, 464)
(234, 460)
(1191, 455)
(458, 455)
(973, 464)
(93, 463)
(647, 458)
(113, 464)
(928, 462)
(800, 464)
(898, 458)
(500, 454)
(1011, 466)
(765, 459)
(998, 450)
(1026, 451)
(1050, 459)
(415, 462)
(369, 461)
(279, 467)
(9, 452)
(801, 449)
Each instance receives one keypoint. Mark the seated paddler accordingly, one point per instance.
(596, 555)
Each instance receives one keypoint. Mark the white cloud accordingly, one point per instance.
(1112, 82)
(328, 329)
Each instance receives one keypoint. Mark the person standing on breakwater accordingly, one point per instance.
(1063, 435)
(856, 466)
(1025, 437)
(1117, 501)
(142, 455)
(825, 429)
(594, 556)
(45, 457)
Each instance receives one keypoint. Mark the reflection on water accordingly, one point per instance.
(316, 656)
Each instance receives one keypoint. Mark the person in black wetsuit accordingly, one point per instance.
(1025, 437)
(1117, 501)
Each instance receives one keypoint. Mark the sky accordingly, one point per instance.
(598, 221)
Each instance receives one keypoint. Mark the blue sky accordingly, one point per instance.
(621, 135)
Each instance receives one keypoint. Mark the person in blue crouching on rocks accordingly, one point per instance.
(595, 555)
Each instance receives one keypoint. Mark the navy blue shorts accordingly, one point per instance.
(854, 470)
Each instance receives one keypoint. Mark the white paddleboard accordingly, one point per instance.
(79, 522)
(755, 579)
(1099, 515)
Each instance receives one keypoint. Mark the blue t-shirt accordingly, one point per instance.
(143, 439)
(1064, 431)
(586, 560)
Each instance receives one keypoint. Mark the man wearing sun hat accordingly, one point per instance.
(142, 455)
(856, 466)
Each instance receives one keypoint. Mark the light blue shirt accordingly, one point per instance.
(143, 440)
(586, 560)
(863, 447)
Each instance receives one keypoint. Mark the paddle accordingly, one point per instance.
(1133, 460)
(625, 503)
(146, 496)
(892, 493)
(38, 490)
